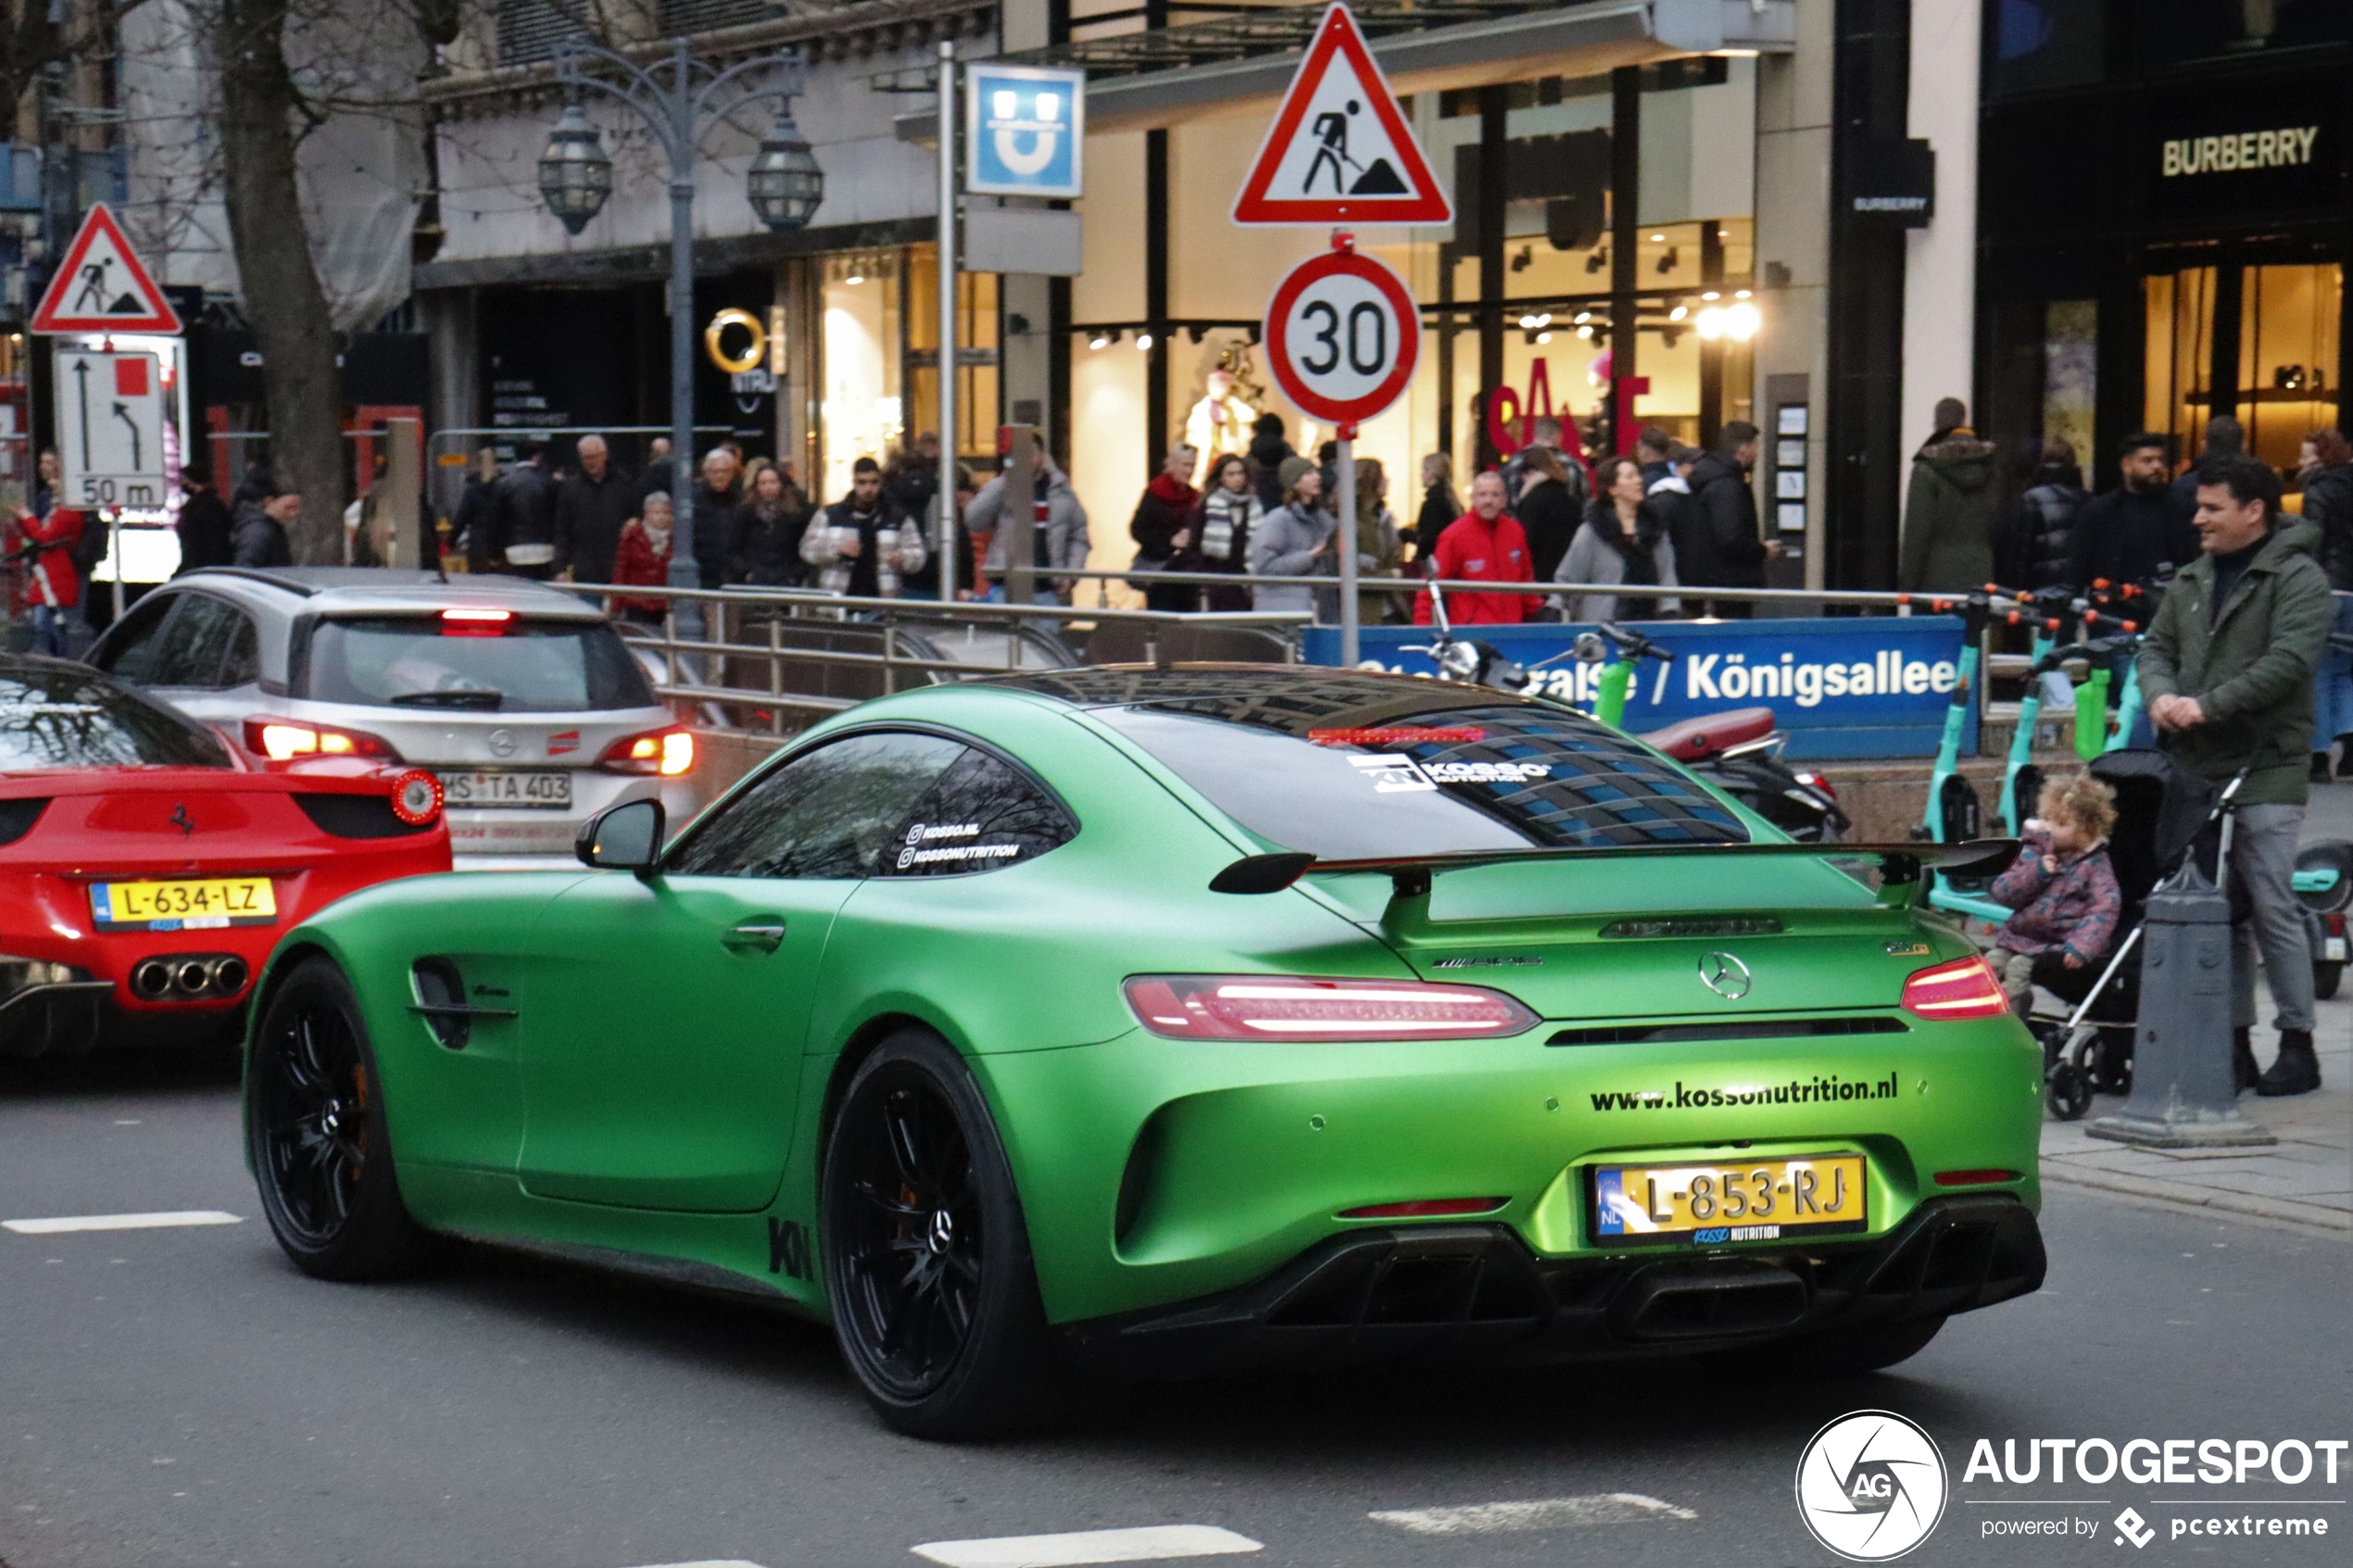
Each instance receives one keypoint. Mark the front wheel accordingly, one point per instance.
(927, 1264)
(315, 1121)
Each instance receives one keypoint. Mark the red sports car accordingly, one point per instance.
(146, 867)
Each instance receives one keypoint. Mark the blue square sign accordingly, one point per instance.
(1023, 128)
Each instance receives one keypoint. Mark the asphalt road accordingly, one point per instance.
(181, 1396)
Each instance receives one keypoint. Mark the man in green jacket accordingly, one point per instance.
(2227, 668)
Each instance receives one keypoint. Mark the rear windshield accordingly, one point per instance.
(1478, 778)
(58, 718)
(533, 667)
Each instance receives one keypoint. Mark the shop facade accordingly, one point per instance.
(2166, 216)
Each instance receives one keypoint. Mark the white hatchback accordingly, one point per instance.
(518, 697)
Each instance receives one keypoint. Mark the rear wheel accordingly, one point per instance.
(2069, 1092)
(1840, 1353)
(2325, 977)
(322, 1156)
(927, 1265)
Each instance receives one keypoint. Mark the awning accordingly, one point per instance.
(1240, 64)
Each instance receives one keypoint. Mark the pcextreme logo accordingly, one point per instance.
(1871, 1486)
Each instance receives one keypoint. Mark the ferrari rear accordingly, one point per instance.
(146, 871)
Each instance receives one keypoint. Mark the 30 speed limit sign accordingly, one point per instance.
(1343, 335)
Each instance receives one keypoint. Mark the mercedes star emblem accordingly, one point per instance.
(1725, 975)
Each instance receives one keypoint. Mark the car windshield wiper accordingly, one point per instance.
(473, 700)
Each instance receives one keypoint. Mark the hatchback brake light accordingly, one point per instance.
(1963, 988)
(666, 752)
(475, 623)
(1273, 1007)
(282, 740)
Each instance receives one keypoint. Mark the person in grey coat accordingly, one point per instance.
(1297, 539)
(1623, 539)
(1061, 542)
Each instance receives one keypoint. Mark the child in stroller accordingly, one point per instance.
(2063, 888)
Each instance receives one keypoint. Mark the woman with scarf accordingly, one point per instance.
(1163, 529)
(1622, 540)
(643, 558)
(1222, 523)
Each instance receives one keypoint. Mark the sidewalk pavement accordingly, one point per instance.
(2305, 1179)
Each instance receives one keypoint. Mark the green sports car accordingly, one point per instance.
(1152, 1023)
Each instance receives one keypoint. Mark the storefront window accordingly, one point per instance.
(2177, 384)
(976, 363)
(2169, 33)
(863, 411)
(2038, 43)
(2072, 376)
(2288, 357)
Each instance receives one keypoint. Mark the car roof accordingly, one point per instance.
(335, 590)
(1284, 696)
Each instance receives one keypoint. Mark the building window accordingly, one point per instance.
(528, 31)
(976, 361)
(2038, 43)
(681, 18)
(863, 412)
(2171, 33)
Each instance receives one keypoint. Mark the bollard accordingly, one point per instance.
(2183, 1096)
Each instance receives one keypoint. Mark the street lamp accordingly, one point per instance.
(785, 183)
(574, 174)
(678, 100)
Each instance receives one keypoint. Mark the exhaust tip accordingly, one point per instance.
(191, 977)
(229, 975)
(151, 978)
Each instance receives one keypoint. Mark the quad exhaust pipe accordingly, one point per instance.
(189, 977)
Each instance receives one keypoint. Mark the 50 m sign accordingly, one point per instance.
(1342, 337)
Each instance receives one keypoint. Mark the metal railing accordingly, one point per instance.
(764, 619)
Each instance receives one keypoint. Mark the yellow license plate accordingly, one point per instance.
(196, 904)
(1729, 1201)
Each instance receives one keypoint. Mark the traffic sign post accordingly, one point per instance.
(1338, 150)
(102, 287)
(1342, 337)
(109, 438)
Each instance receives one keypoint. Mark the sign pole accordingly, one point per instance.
(114, 554)
(1346, 498)
(946, 321)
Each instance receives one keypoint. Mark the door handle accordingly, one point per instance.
(754, 937)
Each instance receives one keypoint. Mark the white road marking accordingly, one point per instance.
(121, 1222)
(710, 1562)
(1497, 1518)
(1147, 1543)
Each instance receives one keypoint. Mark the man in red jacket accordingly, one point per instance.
(1484, 544)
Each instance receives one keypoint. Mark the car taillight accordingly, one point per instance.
(1964, 989)
(475, 623)
(666, 752)
(1816, 782)
(282, 740)
(1272, 1006)
(416, 797)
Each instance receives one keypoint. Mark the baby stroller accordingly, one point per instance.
(2160, 810)
(2163, 815)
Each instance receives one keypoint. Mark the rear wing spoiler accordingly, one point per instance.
(1899, 864)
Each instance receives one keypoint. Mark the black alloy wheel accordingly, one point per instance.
(322, 1157)
(927, 1258)
(913, 1250)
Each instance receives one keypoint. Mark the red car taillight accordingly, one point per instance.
(416, 797)
(475, 623)
(282, 740)
(1964, 989)
(1275, 1007)
(666, 752)
(1814, 781)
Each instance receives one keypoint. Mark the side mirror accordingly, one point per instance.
(628, 836)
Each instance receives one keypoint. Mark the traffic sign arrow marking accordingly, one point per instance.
(101, 286)
(1338, 150)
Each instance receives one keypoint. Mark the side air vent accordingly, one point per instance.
(357, 816)
(16, 818)
(1743, 1029)
(441, 995)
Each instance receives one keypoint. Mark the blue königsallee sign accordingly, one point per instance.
(1841, 686)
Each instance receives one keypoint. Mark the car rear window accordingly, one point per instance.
(52, 718)
(1365, 786)
(529, 667)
